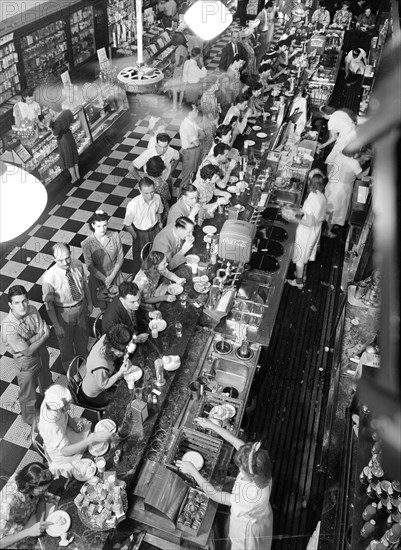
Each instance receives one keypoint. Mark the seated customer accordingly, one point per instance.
(122, 309)
(101, 372)
(148, 277)
(175, 241)
(207, 186)
(366, 21)
(65, 438)
(23, 509)
(187, 205)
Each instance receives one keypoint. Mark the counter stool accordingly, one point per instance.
(37, 442)
(74, 379)
(97, 326)
(145, 250)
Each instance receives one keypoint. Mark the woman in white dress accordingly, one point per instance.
(251, 517)
(342, 131)
(309, 220)
(64, 438)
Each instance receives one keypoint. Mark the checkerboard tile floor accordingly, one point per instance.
(109, 187)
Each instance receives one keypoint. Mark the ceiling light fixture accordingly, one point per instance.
(208, 18)
(22, 200)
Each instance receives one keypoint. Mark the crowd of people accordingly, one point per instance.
(211, 135)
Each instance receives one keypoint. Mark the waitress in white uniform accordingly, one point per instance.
(26, 110)
(251, 518)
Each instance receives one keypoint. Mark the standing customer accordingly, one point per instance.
(191, 135)
(103, 253)
(176, 84)
(231, 50)
(193, 73)
(266, 29)
(251, 516)
(155, 168)
(169, 156)
(230, 83)
(68, 303)
(67, 148)
(24, 333)
(143, 218)
(309, 220)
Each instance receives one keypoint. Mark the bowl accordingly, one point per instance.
(192, 259)
(171, 362)
(84, 469)
(175, 289)
(209, 229)
(106, 425)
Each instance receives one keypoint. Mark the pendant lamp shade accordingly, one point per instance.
(22, 200)
(208, 18)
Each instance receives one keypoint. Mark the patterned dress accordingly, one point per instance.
(15, 510)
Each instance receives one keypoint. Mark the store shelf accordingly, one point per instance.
(9, 78)
(82, 35)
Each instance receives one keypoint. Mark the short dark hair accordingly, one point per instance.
(32, 476)
(238, 57)
(188, 188)
(127, 287)
(222, 148)
(241, 98)
(145, 182)
(16, 290)
(155, 166)
(118, 337)
(195, 52)
(27, 93)
(163, 137)
(182, 222)
(98, 216)
(208, 171)
(256, 87)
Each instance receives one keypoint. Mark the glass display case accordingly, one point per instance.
(44, 52)
(9, 77)
(82, 35)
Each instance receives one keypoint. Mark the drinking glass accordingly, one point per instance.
(183, 300)
(178, 329)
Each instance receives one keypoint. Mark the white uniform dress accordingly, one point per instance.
(307, 236)
(339, 188)
(342, 124)
(251, 520)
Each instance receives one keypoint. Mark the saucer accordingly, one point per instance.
(261, 135)
(60, 523)
(175, 289)
(209, 229)
(98, 449)
(257, 128)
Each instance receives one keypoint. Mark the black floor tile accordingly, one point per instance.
(35, 293)
(24, 255)
(115, 200)
(81, 193)
(10, 455)
(105, 188)
(48, 232)
(92, 206)
(120, 212)
(77, 240)
(7, 419)
(31, 274)
(5, 282)
(73, 225)
(97, 176)
(4, 303)
(119, 172)
(111, 161)
(124, 148)
(3, 386)
(64, 212)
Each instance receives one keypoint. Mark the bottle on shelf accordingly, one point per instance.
(392, 536)
(365, 477)
(370, 511)
(368, 529)
(387, 488)
(396, 486)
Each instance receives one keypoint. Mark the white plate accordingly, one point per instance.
(106, 425)
(223, 412)
(195, 458)
(261, 135)
(209, 229)
(257, 128)
(192, 259)
(135, 373)
(98, 449)
(161, 325)
(233, 179)
(232, 188)
(61, 522)
(175, 289)
(84, 469)
(202, 289)
(251, 143)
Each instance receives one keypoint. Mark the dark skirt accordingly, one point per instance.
(68, 151)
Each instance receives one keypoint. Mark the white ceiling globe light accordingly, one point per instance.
(208, 18)
(22, 200)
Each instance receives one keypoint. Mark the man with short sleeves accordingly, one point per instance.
(162, 149)
(190, 135)
(68, 303)
(23, 334)
(143, 219)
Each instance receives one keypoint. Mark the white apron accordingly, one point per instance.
(307, 236)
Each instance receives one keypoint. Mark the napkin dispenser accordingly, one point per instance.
(235, 243)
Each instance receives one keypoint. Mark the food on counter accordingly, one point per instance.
(102, 503)
(193, 510)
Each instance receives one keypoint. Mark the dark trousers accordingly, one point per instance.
(28, 380)
(142, 238)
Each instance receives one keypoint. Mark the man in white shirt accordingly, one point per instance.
(68, 302)
(355, 62)
(187, 205)
(321, 16)
(193, 72)
(167, 9)
(169, 156)
(143, 219)
(190, 134)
